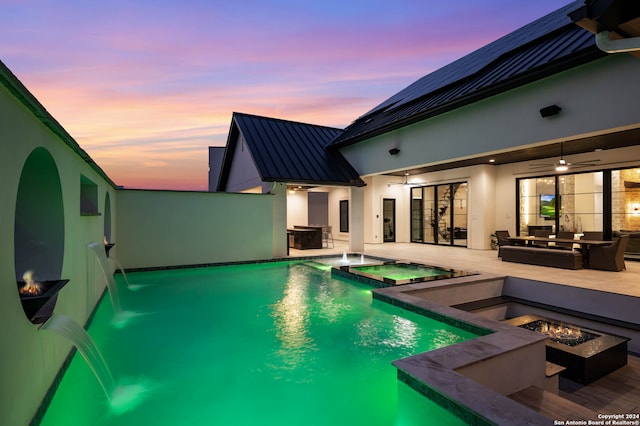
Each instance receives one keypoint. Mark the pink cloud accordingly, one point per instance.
(146, 88)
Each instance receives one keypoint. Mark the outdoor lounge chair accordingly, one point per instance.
(610, 257)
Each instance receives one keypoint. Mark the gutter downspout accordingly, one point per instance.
(607, 45)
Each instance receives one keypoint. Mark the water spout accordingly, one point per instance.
(362, 259)
(98, 250)
(344, 258)
(77, 335)
(119, 266)
(122, 398)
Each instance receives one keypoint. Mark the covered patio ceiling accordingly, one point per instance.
(569, 147)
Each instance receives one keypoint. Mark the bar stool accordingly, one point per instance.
(327, 236)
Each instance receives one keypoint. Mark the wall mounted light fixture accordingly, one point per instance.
(550, 111)
(394, 151)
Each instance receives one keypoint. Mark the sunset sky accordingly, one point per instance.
(146, 86)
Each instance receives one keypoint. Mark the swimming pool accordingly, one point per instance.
(271, 343)
(400, 273)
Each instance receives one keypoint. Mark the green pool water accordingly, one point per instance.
(261, 344)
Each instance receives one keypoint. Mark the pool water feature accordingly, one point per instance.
(345, 260)
(271, 343)
(72, 331)
(399, 273)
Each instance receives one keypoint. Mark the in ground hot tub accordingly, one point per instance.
(399, 273)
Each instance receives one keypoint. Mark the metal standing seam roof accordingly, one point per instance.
(541, 48)
(288, 151)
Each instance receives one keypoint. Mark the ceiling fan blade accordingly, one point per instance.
(539, 166)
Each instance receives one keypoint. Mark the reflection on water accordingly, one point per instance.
(377, 335)
(291, 319)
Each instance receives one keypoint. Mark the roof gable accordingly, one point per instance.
(289, 151)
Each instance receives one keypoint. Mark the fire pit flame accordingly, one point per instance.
(558, 332)
(30, 287)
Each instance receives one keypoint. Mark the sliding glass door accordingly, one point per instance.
(439, 214)
(572, 202)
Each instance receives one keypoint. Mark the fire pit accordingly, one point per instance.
(586, 354)
(560, 332)
(39, 298)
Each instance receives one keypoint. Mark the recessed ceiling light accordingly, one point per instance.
(493, 160)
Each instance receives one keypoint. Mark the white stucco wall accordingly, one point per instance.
(297, 208)
(31, 358)
(158, 228)
(243, 174)
(596, 98)
(165, 228)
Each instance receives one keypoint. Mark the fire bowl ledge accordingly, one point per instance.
(39, 308)
(586, 362)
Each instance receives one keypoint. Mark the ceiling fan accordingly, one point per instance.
(405, 183)
(563, 165)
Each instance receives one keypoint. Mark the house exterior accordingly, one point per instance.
(473, 146)
(543, 91)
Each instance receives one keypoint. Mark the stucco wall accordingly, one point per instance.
(166, 228)
(297, 208)
(158, 228)
(595, 98)
(243, 175)
(30, 358)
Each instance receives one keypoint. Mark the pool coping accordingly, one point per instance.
(437, 374)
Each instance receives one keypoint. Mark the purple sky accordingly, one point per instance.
(146, 86)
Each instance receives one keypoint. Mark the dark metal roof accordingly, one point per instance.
(288, 151)
(546, 46)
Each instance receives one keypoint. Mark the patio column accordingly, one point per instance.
(279, 191)
(356, 220)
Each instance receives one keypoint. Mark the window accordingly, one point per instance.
(625, 200)
(572, 202)
(344, 216)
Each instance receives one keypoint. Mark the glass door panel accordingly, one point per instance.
(417, 217)
(389, 220)
(581, 202)
(443, 214)
(625, 200)
(429, 208)
(537, 205)
(459, 209)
